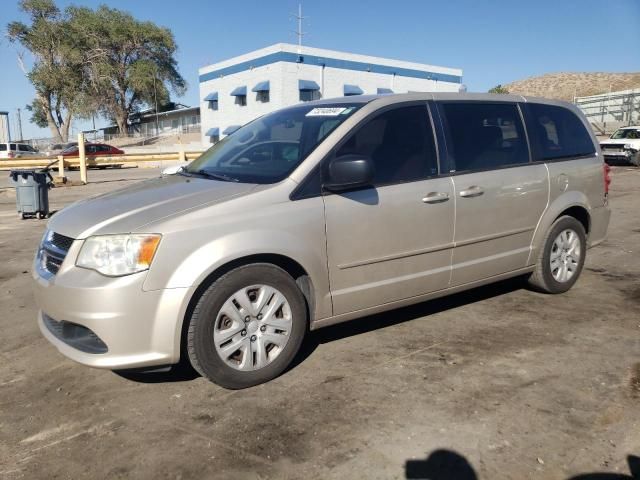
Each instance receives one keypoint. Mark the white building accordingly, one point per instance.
(235, 91)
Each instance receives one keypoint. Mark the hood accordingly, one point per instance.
(128, 209)
(620, 141)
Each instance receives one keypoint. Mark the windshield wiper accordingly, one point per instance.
(215, 176)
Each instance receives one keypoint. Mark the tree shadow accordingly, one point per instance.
(449, 465)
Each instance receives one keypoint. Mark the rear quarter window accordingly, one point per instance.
(3, 147)
(556, 133)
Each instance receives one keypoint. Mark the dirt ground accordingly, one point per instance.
(498, 382)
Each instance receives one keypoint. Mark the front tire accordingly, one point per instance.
(247, 326)
(562, 257)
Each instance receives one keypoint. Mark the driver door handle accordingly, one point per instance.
(473, 191)
(436, 197)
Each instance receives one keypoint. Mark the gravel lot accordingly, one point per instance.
(500, 381)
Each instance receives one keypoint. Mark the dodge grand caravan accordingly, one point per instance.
(316, 214)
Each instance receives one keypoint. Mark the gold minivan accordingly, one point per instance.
(316, 214)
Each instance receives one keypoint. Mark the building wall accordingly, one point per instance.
(284, 75)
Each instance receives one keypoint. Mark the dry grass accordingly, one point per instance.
(564, 86)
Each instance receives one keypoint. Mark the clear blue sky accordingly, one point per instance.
(493, 41)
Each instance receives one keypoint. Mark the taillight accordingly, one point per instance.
(606, 172)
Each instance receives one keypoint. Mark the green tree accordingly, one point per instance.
(56, 73)
(128, 63)
(499, 89)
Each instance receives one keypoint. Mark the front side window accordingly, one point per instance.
(483, 136)
(557, 132)
(399, 142)
(268, 149)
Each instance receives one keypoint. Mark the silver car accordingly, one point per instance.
(318, 214)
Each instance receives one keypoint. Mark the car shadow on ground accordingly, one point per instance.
(184, 372)
(448, 465)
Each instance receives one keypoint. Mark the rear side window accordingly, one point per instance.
(399, 142)
(3, 147)
(483, 136)
(557, 132)
(12, 146)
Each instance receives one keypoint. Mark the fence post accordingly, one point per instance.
(61, 178)
(83, 159)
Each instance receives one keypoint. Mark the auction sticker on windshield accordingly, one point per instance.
(326, 112)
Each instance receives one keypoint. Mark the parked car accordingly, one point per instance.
(623, 146)
(57, 148)
(372, 203)
(94, 150)
(17, 150)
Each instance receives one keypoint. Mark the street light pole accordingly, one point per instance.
(155, 97)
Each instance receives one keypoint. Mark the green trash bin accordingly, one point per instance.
(32, 191)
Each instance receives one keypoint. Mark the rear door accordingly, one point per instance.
(393, 240)
(500, 195)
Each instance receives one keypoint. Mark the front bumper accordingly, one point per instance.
(626, 156)
(139, 328)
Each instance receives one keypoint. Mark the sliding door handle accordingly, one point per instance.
(473, 191)
(436, 197)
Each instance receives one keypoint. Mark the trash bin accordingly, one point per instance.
(32, 191)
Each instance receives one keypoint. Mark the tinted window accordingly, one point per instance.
(400, 143)
(12, 146)
(3, 147)
(482, 136)
(557, 133)
(25, 148)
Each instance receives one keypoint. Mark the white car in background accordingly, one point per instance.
(17, 150)
(623, 146)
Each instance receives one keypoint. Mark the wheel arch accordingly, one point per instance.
(572, 203)
(288, 264)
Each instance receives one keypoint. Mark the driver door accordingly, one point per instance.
(391, 241)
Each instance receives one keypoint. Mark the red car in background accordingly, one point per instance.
(94, 150)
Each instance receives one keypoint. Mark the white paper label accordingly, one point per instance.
(326, 112)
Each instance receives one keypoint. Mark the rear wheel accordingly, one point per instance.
(247, 326)
(562, 257)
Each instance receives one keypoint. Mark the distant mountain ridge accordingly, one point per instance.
(566, 85)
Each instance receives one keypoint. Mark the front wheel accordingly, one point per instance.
(247, 326)
(562, 257)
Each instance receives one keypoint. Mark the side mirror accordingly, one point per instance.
(348, 172)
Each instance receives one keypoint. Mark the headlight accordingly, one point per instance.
(117, 255)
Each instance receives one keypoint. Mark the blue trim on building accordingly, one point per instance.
(239, 91)
(213, 132)
(230, 129)
(328, 62)
(212, 97)
(308, 85)
(382, 91)
(351, 90)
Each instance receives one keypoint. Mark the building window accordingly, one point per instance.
(263, 96)
(309, 95)
(214, 138)
(241, 100)
(213, 104)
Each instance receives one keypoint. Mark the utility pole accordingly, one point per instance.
(155, 98)
(20, 126)
(299, 32)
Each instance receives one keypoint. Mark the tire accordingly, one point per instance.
(42, 215)
(550, 280)
(209, 322)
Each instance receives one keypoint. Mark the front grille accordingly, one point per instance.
(60, 241)
(615, 147)
(53, 251)
(76, 336)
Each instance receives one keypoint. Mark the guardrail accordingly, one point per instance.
(83, 161)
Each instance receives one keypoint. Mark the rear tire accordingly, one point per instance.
(247, 326)
(562, 257)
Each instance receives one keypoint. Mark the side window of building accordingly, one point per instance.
(241, 100)
(400, 143)
(213, 105)
(263, 96)
(309, 95)
(556, 132)
(482, 136)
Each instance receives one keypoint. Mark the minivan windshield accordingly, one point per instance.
(269, 148)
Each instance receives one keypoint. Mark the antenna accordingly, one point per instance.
(299, 32)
